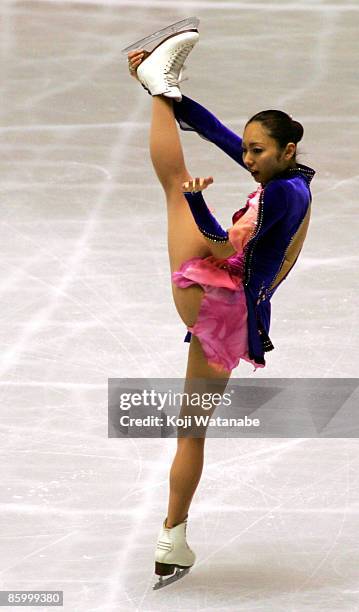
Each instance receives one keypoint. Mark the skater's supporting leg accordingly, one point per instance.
(187, 465)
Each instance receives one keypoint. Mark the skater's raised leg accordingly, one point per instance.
(184, 239)
(165, 146)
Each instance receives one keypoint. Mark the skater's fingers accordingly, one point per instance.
(189, 185)
(133, 64)
(197, 184)
(204, 182)
(134, 61)
(135, 53)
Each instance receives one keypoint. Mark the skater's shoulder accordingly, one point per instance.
(277, 187)
(290, 182)
(288, 177)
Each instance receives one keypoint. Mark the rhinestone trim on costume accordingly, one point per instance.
(249, 248)
(213, 237)
(305, 170)
(267, 346)
(265, 339)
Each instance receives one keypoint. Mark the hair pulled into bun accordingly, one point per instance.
(297, 130)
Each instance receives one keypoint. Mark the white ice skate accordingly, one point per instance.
(173, 557)
(153, 40)
(160, 71)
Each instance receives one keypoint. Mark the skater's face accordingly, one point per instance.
(262, 155)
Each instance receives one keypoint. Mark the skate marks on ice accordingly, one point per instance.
(77, 193)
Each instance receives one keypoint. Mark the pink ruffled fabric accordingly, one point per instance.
(221, 325)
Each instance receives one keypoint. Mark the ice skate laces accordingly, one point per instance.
(175, 63)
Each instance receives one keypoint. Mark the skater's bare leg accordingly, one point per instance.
(184, 238)
(184, 242)
(165, 146)
(187, 465)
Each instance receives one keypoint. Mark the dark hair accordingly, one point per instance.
(279, 126)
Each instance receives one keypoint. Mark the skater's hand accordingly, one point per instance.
(134, 59)
(219, 263)
(197, 184)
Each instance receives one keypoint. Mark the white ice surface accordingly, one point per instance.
(85, 295)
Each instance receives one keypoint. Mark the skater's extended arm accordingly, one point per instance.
(195, 117)
(208, 225)
(225, 243)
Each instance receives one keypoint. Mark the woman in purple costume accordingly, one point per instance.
(222, 280)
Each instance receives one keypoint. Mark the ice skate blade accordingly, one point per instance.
(162, 582)
(147, 43)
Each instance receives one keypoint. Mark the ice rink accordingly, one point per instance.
(85, 296)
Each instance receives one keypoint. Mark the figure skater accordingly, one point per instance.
(222, 280)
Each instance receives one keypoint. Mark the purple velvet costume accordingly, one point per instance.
(269, 252)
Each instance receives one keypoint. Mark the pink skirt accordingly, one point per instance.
(221, 324)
